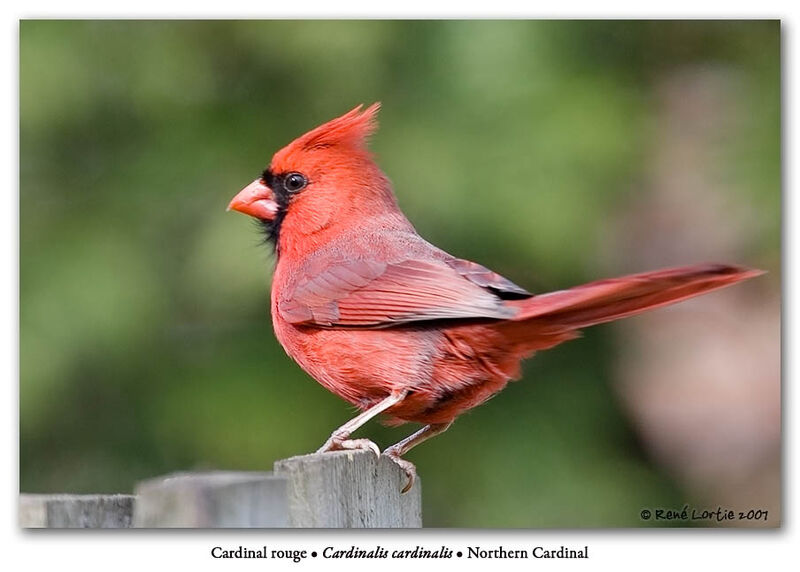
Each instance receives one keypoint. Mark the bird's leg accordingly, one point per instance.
(340, 439)
(399, 449)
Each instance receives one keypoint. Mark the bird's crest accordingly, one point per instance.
(350, 130)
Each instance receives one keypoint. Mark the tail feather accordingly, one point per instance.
(606, 300)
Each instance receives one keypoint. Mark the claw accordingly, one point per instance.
(407, 466)
(336, 443)
(363, 444)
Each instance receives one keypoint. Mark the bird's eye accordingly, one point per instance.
(294, 182)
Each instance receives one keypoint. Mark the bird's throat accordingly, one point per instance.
(272, 228)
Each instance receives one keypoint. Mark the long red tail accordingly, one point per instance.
(606, 300)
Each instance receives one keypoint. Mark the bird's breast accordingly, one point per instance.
(360, 365)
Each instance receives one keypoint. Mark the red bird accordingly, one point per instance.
(394, 325)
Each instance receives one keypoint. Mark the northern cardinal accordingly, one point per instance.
(395, 325)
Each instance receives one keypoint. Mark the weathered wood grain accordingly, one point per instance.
(212, 500)
(344, 489)
(349, 489)
(75, 511)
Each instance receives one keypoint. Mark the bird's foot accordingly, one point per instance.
(341, 442)
(408, 468)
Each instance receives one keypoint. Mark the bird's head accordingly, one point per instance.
(324, 176)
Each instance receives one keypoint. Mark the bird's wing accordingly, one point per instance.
(370, 293)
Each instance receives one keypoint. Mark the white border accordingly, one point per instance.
(622, 550)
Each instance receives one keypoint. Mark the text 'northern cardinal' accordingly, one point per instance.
(391, 323)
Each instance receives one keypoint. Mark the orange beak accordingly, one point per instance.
(256, 200)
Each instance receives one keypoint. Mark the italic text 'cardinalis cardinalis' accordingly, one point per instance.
(394, 325)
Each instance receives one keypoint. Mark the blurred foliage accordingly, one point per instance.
(145, 340)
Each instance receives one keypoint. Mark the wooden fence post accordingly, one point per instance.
(344, 489)
(75, 511)
(349, 489)
(212, 500)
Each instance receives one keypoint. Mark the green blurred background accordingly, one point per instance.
(146, 345)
